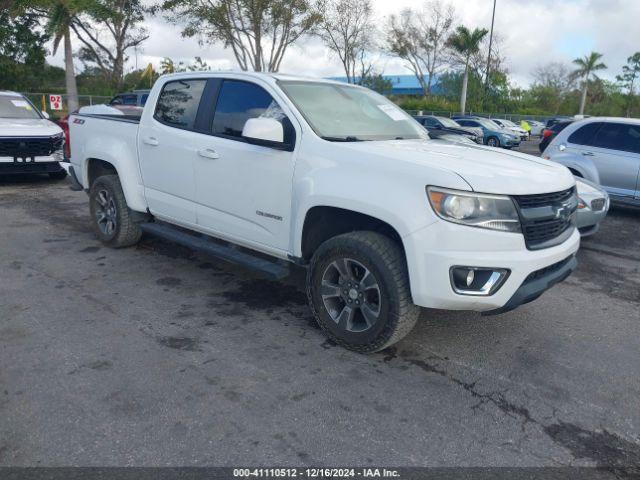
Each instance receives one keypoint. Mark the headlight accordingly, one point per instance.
(495, 212)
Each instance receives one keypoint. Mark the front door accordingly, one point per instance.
(243, 190)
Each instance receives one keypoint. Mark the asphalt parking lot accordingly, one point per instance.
(156, 355)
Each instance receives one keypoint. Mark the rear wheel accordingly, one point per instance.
(111, 217)
(358, 289)
(493, 142)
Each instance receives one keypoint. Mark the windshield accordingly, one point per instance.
(490, 124)
(16, 107)
(447, 122)
(347, 113)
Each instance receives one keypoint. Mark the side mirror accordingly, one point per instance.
(45, 114)
(263, 129)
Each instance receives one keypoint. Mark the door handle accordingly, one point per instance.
(587, 154)
(208, 153)
(151, 141)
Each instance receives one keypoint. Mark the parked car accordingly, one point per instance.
(130, 103)
(450, 137)
(603, 150)
(29, 142)
(552, 121)
(494, 134)
(593, 205)
(512, 127)
(439, 126)
(536, 127)
(549, 134)
(336, 178)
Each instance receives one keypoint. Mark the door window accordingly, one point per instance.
(584, 134)
(618, 136)
(178, 103)
(431, 122)
(239, 101)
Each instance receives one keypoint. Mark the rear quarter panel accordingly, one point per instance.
(113, 141)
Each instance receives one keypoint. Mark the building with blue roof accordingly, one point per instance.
(402, 84)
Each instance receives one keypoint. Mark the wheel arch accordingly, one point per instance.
(322, 222)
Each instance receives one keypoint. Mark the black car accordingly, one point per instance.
(549, 133)
(439, 126)
(555, 120)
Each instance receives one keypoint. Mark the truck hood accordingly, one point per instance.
(485, 169)
(27, 127)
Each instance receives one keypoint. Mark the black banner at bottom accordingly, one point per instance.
(347, 473)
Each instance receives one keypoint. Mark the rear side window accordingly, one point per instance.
(178, 103)
(239, 101)
(618, 136)
(583, 135)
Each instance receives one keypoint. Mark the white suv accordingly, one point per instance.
(29, 142)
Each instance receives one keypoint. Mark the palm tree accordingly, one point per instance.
(586, 66)
(466, 43)
(60, 18)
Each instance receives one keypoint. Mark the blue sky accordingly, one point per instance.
(533, 32)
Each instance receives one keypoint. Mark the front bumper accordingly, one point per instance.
(48, 164)
(433, 250)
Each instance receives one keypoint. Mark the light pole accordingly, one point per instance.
(486, 77)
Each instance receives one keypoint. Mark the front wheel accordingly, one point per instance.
(358, 289)
(493, 142)
(111, 217)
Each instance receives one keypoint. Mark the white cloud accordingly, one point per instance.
(534, 32)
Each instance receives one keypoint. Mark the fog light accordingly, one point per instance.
(477, 280)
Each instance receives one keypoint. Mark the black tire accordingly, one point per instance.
(493, 141)
(384, 259)
(124, 232)
(60, 175)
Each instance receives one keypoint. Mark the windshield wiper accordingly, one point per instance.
(343, 139)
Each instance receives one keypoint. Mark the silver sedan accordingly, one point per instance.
(593, 205)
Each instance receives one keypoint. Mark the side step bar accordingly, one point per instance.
(272, 269)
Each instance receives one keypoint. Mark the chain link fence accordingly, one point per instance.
(41, 101)
(514, 117)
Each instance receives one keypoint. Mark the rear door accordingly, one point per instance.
(244, 190)
(615, 150)
(167, 151)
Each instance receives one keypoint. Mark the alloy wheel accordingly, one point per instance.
(351, 295)
(106, 212)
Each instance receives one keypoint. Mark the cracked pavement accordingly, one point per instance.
(156, 355)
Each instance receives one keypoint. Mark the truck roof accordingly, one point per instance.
(9, 93)
(262, 75)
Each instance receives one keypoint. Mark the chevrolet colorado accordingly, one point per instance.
(336, 178)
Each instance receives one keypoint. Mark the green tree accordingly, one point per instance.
(586, 66)
(465, 43)
(257, 31)
(628, 78)
(60, 15)
(118, 21)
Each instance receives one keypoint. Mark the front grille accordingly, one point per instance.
(546, 270)
(544, 199)
(547, 219)
(26, 147)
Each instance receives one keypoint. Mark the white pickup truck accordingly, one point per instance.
(338, 179)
